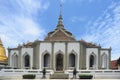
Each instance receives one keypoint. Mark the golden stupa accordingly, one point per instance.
(3, 57)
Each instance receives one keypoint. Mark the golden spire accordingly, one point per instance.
(2, 52)
(1, 42)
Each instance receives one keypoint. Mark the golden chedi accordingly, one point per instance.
(3, 57)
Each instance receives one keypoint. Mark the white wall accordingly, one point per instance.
(74, 47)
(89, 51)
(45, 47)
(106, 52)
(12, 52)
(59, 47)
(29, 51)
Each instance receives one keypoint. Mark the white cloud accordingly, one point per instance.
(78, 19)
(79, 1)
(106, 29)
(18, 21)
(63, 1)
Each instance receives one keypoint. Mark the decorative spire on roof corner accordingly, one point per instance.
(60, 20)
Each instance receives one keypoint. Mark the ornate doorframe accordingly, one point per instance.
(59, 62)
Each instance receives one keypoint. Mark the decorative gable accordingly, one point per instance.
(59, 35)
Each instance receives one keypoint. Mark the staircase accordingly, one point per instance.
(59, 75)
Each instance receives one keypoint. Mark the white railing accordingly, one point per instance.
(95, 73)
(37, 71)
(24, 71)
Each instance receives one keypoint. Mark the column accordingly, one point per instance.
(40, 59)
(52, 56)
(66, 63)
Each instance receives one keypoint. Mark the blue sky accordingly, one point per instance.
(96, 21)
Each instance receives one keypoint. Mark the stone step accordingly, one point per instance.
(59, 75)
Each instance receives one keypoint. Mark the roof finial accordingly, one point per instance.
(61, 8)
(60, 25)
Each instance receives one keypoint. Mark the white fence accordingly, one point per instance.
(94, 71)
(19, 72)
(114, 74)
(25, 71)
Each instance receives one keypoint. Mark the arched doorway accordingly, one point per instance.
(92, 61)
(47, 60)
(72, 60)
(59, 62)
(27, 61)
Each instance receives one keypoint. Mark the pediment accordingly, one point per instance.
(59, 35)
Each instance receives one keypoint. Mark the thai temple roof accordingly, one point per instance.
(60, 33)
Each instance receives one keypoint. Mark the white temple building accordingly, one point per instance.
(59, 51)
